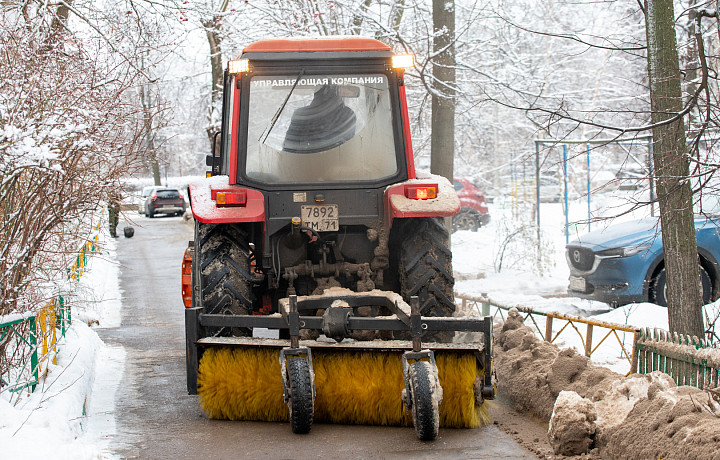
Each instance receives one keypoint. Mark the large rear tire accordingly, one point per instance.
(425, 412)
(425, 269)
(221, 273)
(301, 404)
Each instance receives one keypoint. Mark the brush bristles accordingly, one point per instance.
(351, 387)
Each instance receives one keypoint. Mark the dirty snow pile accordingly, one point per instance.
(64, 418)
(539, 371)
(592, 409)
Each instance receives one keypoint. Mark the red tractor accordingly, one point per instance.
(313, 187)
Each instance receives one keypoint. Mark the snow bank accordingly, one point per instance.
(70, 413)
(572, 426)
(98, 291)
(591, 407)
(54, 413)
(670, 423)
(614, 406)
(532, 372)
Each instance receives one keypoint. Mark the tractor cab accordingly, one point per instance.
(332, 115)
(315, 162)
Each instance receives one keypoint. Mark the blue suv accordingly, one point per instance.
(624, 263)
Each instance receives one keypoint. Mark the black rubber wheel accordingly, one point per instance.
(425, 412)
(151, 214)
(658, 288)
(221, 273)
(301, 401)
(425, 269)
(466, 219)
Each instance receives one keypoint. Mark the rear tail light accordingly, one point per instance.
(421, 192)
(227, 199)
(186, 276)
(153, 197)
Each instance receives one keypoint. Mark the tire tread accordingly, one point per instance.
(301, 401)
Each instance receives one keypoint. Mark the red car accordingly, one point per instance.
(473, 207)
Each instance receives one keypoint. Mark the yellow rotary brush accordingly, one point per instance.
(352, 387)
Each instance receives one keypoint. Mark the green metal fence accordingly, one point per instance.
(688, 360)
(34, 340)
(22, 331)
(28, 342)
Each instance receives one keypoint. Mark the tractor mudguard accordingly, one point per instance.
(241, 204)
(397, 203)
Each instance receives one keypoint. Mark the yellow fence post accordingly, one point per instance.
(46, 330)
(588, 340)
(42, 332)
(53, 331)
(548, 328)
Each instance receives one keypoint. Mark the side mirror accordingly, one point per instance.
(214, 160)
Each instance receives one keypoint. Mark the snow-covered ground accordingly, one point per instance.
(73, 417)
(69, 416)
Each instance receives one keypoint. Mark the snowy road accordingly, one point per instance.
(156, 419)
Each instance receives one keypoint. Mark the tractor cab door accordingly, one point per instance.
(219, 160)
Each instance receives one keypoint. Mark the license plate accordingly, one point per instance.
(322, 218)
(168, 206)
(577, 284)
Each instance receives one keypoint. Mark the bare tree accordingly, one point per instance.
(212, 23)
(70, 130)
(672, 172)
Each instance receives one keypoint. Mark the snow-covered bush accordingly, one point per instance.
(68, 133)
(518, 237)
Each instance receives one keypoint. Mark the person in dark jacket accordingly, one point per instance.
(113, 213)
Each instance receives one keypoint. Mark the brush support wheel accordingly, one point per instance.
(425, 401)
(300, 404)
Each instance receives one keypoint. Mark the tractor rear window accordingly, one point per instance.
(319, 128)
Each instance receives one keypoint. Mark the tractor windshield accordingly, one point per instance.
(318, 128)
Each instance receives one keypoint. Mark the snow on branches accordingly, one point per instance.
(67, 134)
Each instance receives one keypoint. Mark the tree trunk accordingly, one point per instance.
(150, 134)
(59, 22)
(212, 30)
(672, 171)
(359, 17)
(442, 142)
(397, 14)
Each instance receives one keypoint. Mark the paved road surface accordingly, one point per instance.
(155, 417)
